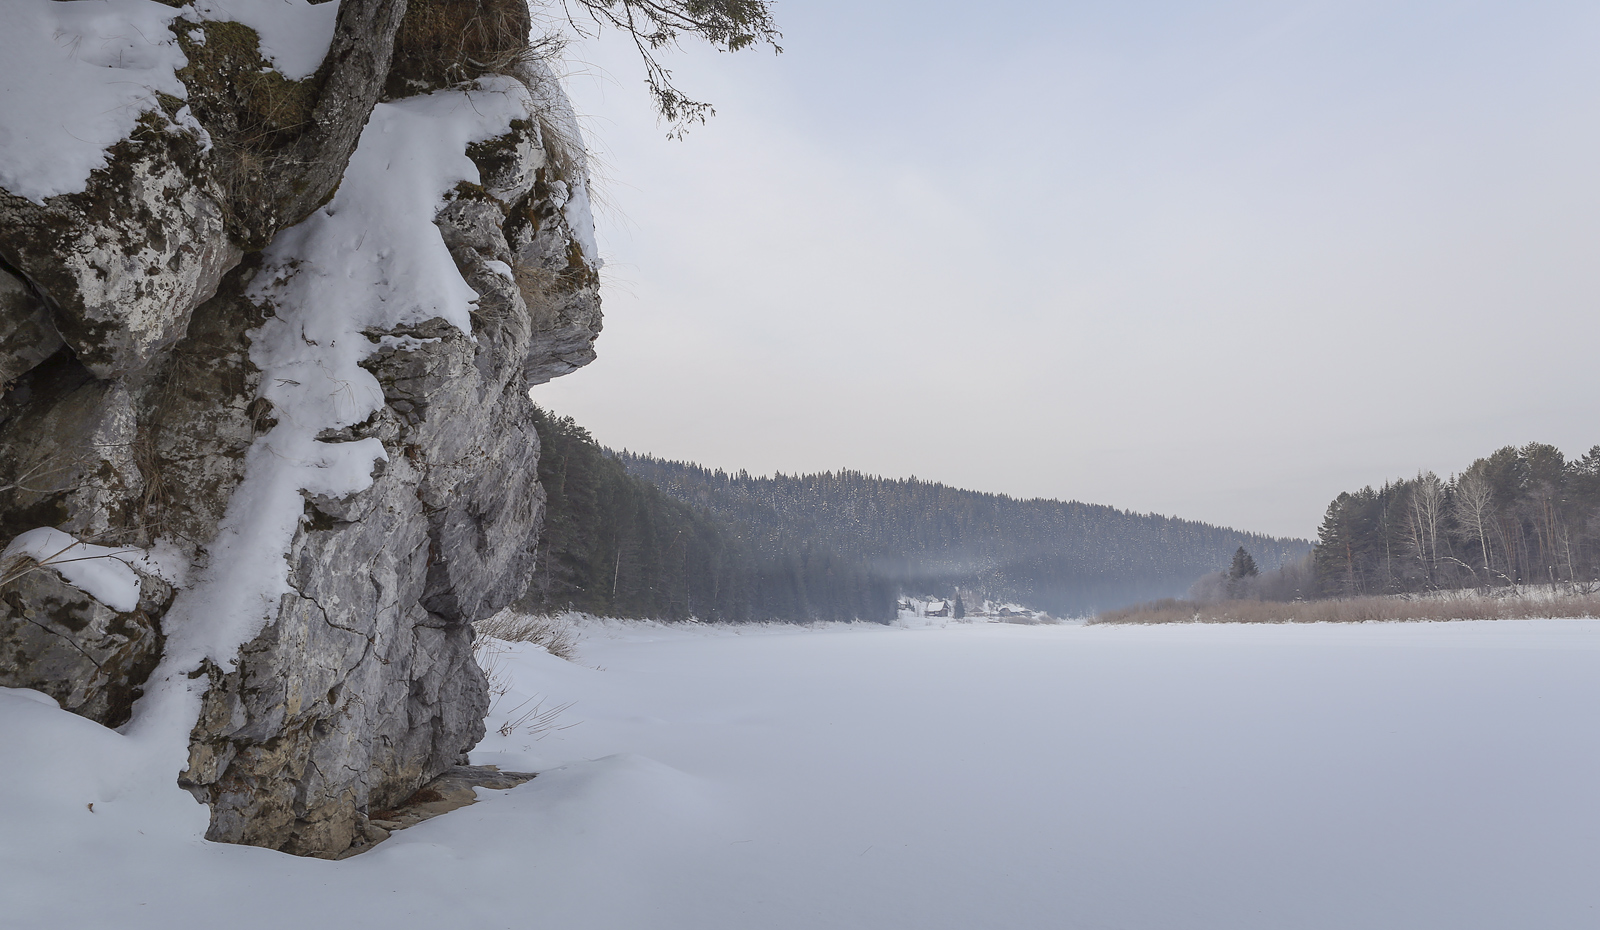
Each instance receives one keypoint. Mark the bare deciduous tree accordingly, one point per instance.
(1473, 510)
(1424, 521)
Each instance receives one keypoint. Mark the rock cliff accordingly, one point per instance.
(272, 350)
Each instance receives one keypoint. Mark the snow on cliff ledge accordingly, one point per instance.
(76, 76)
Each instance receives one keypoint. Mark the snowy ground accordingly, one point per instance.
(975, 775)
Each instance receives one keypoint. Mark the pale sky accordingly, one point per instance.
(1213, 260)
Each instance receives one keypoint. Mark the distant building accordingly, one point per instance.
(938, 609)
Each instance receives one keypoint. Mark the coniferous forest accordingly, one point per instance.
(1519, 516)
(630, 535)
(615, 545)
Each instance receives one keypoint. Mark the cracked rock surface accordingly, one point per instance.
(130, 402)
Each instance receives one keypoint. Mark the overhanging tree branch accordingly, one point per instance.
(653, 25)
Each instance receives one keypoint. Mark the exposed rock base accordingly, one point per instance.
(131, 406)
(451, 791)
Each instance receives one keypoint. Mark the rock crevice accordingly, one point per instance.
(134, 404)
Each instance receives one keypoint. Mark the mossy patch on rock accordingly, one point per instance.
(255, 116)
(466, 190)
(235, 92)
(503, 153)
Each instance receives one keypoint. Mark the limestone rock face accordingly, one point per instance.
(377, 638)
(128, 318)
(125, 263)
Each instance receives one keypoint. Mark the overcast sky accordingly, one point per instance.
(1214, 260)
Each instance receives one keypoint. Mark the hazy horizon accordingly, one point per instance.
(1215, 262)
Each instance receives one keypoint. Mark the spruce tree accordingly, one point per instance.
(1243, 566)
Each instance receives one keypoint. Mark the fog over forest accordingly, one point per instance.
(634, 535)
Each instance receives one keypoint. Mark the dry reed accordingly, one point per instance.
(555, 634)
(1358, 610)
(558, 638)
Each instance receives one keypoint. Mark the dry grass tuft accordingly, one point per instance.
(237, 93)
(536, 720)
(1358, 610)
(444, 42)
(555, 634)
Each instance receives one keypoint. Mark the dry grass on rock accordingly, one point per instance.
(444, 42)
(555, 634)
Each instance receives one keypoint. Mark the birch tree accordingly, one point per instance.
(1474, 506)
(1424, 521)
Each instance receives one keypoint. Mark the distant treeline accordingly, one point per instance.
(616, 546)
(1068, 558)
(1520, 516)
(634, 536)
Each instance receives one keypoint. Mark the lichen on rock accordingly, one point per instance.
(123, 264)
(348, 474)
(92, 659)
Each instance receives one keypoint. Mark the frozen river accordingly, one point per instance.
(1372, 776)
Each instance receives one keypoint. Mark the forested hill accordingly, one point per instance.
(614, 545)
(1066, 557)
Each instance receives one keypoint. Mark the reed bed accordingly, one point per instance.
(1358, 610)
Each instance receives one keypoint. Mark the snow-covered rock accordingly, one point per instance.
(296, 367)
(126, 261)
(86, 620)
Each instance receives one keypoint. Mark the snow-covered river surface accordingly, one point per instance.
(1372, 776)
